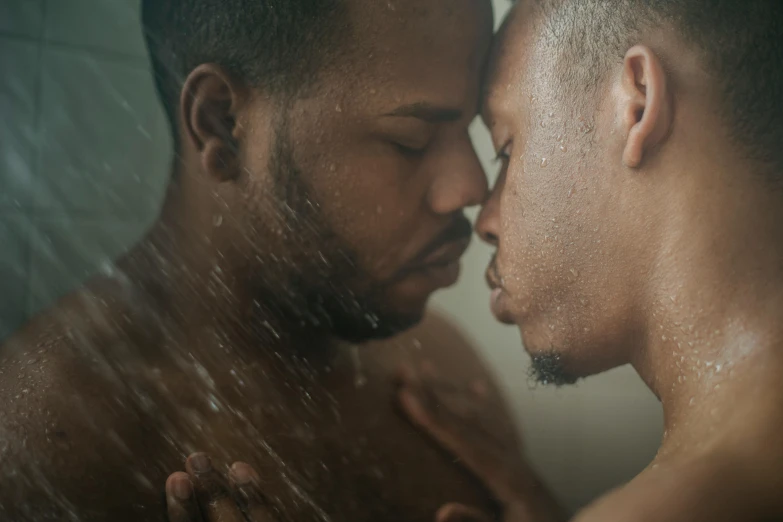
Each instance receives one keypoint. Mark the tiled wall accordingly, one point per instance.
(83, 162)
(83, 145)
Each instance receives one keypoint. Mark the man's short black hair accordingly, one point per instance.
(741, 42)
(277, 45)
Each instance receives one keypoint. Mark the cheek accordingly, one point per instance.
(372, 206)
(540, 236)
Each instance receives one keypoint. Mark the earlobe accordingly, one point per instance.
(646, 106)
(208, 105)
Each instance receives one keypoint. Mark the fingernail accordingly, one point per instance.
(241, 474)
(181, 488)
(200, 463)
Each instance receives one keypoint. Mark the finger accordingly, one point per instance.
(460, 513)
(405, 375)
(180, 499)
(476, 456)
(212, 491)
(467, 409)
(480, 388)
(428, 371)
(246, 483)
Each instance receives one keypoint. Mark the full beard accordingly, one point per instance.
(313, 278)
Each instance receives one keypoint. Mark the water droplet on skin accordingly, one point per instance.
(663, 338)
(360, 380)
(338, 108)
(574, 273)
(417, 344)
(552, 327)
(544, 162)
(217, 220)
(692, 401)
(571, 191)
(680, 379)
(563, 148)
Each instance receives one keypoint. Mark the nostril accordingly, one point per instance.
(490, 238)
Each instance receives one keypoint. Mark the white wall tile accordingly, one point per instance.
(19, 61)
(22, 17)
(105, 149)
(107, 25)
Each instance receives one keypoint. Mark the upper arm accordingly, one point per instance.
(73, 447)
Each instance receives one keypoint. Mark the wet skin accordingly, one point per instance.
(191, 344)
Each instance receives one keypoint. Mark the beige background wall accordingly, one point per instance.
(83, 154)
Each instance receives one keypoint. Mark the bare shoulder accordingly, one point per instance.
(70, 432)
(439, 340)
(716, 487)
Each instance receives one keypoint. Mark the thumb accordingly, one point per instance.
(460, 513)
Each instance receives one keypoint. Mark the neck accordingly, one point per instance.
(714, 341)
(198, 303)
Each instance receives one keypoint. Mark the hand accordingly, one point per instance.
(204, 495)
(467, 422)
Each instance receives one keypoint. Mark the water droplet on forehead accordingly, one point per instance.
(544, 162)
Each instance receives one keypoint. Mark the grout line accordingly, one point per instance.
(131, 60)
(128, 60)
(36, 161)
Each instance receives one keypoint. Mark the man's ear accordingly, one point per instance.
(645, 104)
(209, 102)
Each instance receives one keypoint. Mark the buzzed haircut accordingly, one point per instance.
(740, 42)
(275, 45)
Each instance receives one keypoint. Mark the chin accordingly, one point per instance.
(564, 359)
(552, 360)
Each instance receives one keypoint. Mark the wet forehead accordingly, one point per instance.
(420, 44)
(507, 77)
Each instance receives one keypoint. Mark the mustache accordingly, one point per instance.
(459, 229)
